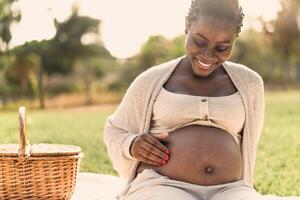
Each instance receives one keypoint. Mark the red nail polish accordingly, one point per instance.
(167, 151)
(166, 158)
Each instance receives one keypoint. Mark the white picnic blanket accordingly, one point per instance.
(92, 186)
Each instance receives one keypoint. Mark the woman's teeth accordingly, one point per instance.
(203, 64)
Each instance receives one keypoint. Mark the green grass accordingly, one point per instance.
(278, 156)
(77, 127)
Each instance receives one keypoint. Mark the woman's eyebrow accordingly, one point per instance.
(199, 34)
(226, 41)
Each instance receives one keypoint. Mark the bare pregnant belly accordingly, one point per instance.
(201, 155)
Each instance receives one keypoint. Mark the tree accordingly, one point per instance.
(285, 34)
(59, 54)
(253, 49)
(156, 50)
(66, 48)
(177, 46)
(69, 34)
(8, 15)
(90, 67)
(69, 42)
(153, 52)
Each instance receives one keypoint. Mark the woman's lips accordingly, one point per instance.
(204, 65)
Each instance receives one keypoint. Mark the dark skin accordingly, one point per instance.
(197, 154)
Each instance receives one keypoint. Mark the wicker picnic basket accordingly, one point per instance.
(37, 172)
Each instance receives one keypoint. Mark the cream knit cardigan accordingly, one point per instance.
(133, 115)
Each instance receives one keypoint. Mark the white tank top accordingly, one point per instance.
(172, 111)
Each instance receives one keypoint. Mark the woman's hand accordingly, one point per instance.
(148, 149)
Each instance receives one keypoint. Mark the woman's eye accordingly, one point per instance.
(199, 43)
(222, 48)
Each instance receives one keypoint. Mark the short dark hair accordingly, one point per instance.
(222, 9)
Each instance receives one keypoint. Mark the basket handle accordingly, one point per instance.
(23, 143)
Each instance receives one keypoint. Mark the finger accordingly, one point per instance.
(151, 157)
(148, 161)
(155, 142)
(154, 150)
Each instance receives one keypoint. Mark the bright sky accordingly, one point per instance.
(126, 25)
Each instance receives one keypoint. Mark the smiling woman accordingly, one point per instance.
(188, 128)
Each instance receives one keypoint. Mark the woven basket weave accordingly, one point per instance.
(37, 172)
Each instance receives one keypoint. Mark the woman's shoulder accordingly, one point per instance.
(244, 72)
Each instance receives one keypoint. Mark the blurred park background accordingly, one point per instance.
(70, 62)
(55, 53)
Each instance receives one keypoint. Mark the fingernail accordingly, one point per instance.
(167, 151)
(166, 157)
(163, 162)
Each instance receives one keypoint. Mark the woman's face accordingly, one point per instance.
(209, 43)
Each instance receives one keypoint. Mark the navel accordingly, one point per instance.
(209, 169)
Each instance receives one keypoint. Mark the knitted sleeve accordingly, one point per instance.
(123, 126)
(259, 108)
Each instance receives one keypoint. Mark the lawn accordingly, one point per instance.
(278, 157)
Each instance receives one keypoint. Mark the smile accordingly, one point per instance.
(204, 64)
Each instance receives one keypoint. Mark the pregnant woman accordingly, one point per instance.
(188, 129)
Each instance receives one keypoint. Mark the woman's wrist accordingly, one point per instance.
(128, 144)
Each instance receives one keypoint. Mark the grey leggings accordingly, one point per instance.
(150, 185)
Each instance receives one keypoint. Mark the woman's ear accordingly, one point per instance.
(187, 25)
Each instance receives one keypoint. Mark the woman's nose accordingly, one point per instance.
(209, 55)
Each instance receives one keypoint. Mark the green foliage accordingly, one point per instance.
(22, 73)
(156, 50)
(34, 60)
(284, 32)
(177, 46)
(254, 50)
(4, 88)
(153, 52)
(62, 87)
(273, 54)
(7, 17)
(70, 32)
(121, 77)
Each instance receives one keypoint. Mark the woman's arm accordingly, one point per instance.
(122, 127)
(118, 143)
(127, 123)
